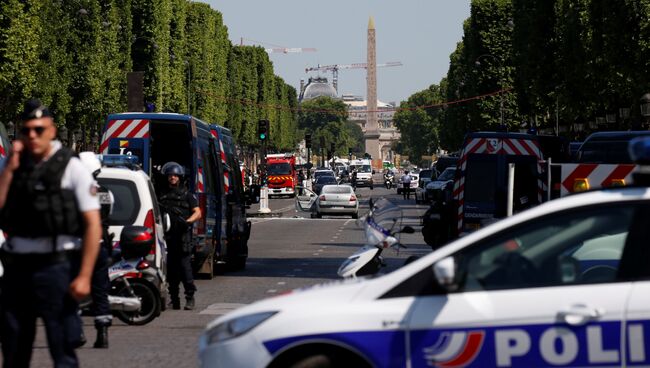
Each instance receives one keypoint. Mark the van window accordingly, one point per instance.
(481, 178)
(604, 152)
(208, 170)
(127, 201)
(170, 141)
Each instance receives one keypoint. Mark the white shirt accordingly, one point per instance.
(406, 179)
(77, 178)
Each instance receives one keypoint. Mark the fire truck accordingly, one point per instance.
(281, 174)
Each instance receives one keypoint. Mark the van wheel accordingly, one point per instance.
(314, 361)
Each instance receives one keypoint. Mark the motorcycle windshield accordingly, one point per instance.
(383, 219)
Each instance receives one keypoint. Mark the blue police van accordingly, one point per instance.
(158, 138)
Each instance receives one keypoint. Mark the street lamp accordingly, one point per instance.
(499, 62)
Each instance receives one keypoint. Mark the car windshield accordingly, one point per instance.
(604, 152)
(343, 189)
(363, 168)
(279, 169)
(326, 180)
(448, 174)
(425, 174)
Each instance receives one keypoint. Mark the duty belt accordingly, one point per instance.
(36, 259)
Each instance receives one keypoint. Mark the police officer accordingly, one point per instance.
(183, 209)
(406, 185)
(100, 285)
(49, 210)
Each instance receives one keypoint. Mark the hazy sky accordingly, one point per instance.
(419, 33)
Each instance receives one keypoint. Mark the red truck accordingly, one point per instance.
(281, 174)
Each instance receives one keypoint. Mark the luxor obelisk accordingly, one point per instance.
(372, 128)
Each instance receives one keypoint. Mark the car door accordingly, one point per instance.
(545, 293)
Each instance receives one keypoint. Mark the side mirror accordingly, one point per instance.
(167, 222)
(445, 273)
(407, 230)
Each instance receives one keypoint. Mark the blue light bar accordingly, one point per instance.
(119, 160)
(639, 149)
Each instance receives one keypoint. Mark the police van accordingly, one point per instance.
(157, 138)
(566, 283)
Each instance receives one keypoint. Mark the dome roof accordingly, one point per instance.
(318, 87)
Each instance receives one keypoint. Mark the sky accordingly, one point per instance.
(419, 33)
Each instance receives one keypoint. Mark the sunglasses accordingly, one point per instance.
(38, 130)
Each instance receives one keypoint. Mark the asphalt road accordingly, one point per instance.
(286, 252)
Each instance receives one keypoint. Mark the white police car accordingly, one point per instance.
(566, 283)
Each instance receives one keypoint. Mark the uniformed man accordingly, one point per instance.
(183, 209)
(406, 185)
(100, 285)
(49, 210)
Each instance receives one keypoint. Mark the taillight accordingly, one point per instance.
(353, 199)
(322, 198)
(142, 265)
(150, 222)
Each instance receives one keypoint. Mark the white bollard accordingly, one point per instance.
(511, 188)
(264, 200)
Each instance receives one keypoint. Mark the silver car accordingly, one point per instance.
(337, 200)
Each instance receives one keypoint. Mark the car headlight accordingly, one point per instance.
(234, 327)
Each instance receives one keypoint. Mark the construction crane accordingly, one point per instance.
(280, 49)
(335, 69)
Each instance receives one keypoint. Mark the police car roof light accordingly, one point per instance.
(129, 161)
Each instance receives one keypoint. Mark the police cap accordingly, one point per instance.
(34, 109)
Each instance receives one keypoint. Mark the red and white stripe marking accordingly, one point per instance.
(598, 175)
(200, 187)
(226, 178)
(136, 128)
(496, 146)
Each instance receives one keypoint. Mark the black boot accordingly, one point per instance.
(189, 303)
(102, 337)
(175, 303)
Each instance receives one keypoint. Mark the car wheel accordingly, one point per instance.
(319, 215)
(355, 215)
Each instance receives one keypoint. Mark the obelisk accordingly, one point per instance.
(372, 128)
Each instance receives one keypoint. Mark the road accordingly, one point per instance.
(288, 252)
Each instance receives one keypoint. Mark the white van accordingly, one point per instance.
(364, 172)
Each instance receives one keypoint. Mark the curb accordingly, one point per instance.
(263, 215)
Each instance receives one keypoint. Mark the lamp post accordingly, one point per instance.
(499, 62)
(645, 106)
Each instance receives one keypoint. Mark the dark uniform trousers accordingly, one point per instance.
(34, 288)
(179, 267)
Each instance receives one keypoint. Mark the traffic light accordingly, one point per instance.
(263, 130)
(308, 140)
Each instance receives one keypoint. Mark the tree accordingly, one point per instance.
(419, 126)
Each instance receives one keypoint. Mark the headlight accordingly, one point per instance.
(235, 327)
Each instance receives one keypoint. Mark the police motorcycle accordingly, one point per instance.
(382, 226)
(389, 180)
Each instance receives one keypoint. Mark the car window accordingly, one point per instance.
(337, 189)
(127, 201)
(326, 180)
(579, 247)
(448, 174)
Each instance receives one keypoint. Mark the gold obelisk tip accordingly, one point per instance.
(371, 23)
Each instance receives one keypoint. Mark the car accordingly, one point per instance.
(322, 172)
(337, 200)
(323, 180)
(433, 190)
(607, 147)
(444, 162)
(566, 283)
(425, 176)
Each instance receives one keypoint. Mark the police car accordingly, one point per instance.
(566, 283)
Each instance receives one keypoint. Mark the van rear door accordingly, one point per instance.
(127, 137)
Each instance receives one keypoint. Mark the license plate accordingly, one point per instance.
(277, 191)
(337, 208)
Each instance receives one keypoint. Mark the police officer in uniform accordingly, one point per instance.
(183, 209)
(49, 211)
(100, 285)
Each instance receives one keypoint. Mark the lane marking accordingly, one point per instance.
(281, 283)
(316, 254)
(221, 308)
(271, 291)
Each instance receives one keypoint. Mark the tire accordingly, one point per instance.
(355, 215)
(150, 304)
(314, 361)
(319, 215)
